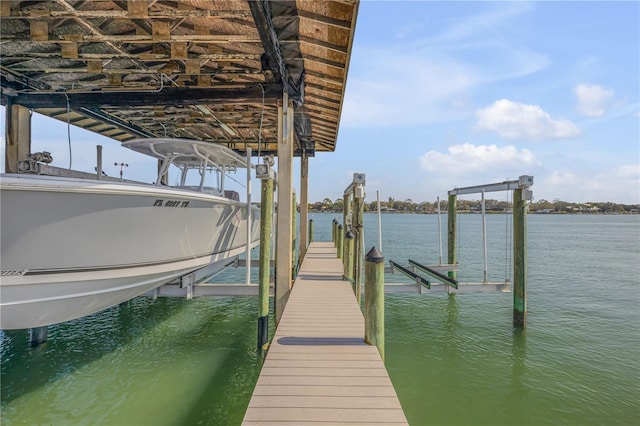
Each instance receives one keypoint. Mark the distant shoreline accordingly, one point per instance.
(493, 212)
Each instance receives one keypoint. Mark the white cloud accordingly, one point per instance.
(513, 120)
(592, 99)
(468, 160)
(404, 89)
(426, 81)
(619, 185)
(629, 171)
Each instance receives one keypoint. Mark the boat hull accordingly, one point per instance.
(72, 247)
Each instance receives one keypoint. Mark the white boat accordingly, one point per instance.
(72, 247)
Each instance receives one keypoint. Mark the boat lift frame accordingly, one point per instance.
(521, 194)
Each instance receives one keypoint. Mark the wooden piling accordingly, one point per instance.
(339, 242)
(346, 216)
(348, 257)
(17, 136)
(38, 335)
(358, 213)
(284, 202)
(266, 223)
(294, 238)
(334, 226)
(304, 208)
(374, 300)
(310, 231)
(519, 258)
(452, 211)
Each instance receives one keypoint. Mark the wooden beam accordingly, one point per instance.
(39, 31)
(338, 23)
(169, 96)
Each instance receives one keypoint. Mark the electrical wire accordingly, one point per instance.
(261, 118)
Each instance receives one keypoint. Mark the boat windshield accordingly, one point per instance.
(188, 155)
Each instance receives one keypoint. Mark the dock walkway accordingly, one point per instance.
(318, 369)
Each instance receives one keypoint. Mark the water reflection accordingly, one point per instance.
(74, 344)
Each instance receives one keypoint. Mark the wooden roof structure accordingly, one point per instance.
(212, 70)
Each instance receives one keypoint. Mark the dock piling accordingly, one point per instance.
(310, 231)
(266, 223)
(334, 227)
(339, 242)
(358, 213)
(38, 335)
(452, 210)
(348, 257)
(519, 258)
(374, 300)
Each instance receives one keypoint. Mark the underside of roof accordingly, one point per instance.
(211, 70)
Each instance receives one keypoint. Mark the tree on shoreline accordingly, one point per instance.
(472, 206)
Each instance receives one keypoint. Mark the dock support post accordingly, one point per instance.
(285, 200)
(346, 216)
(339, 242)
(374, 300)
(519, 258)
(266, 223)
(38, 335)
(358, 210)
(249, 224)
(452, 210)
(294, 238)
(17, 136)
(304, 205)
(310, 231)
(348, 257)
(334, 225)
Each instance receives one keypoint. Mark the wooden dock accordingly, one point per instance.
(318, 369)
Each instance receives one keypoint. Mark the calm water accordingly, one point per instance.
(453, 359)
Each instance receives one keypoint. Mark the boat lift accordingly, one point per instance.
(521, 194)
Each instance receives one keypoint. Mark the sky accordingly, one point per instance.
(450, 94)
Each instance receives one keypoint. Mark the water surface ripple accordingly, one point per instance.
(454, 360)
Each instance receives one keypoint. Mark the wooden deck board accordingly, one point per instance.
(318, 369)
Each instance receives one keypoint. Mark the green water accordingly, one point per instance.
(454, 360)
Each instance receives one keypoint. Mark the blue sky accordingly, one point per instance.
(446, 94)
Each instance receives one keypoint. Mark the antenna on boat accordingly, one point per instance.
(122, 165)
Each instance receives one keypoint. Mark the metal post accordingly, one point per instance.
(248, 248)
(99, 162)
(451, 234)
(484, 240)
(339, 242)
(439, 233)
(266, 223)
(310, 231)
(348, 257)
(519, 258)
(374, 300)
(38, 335)
(379, 222)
